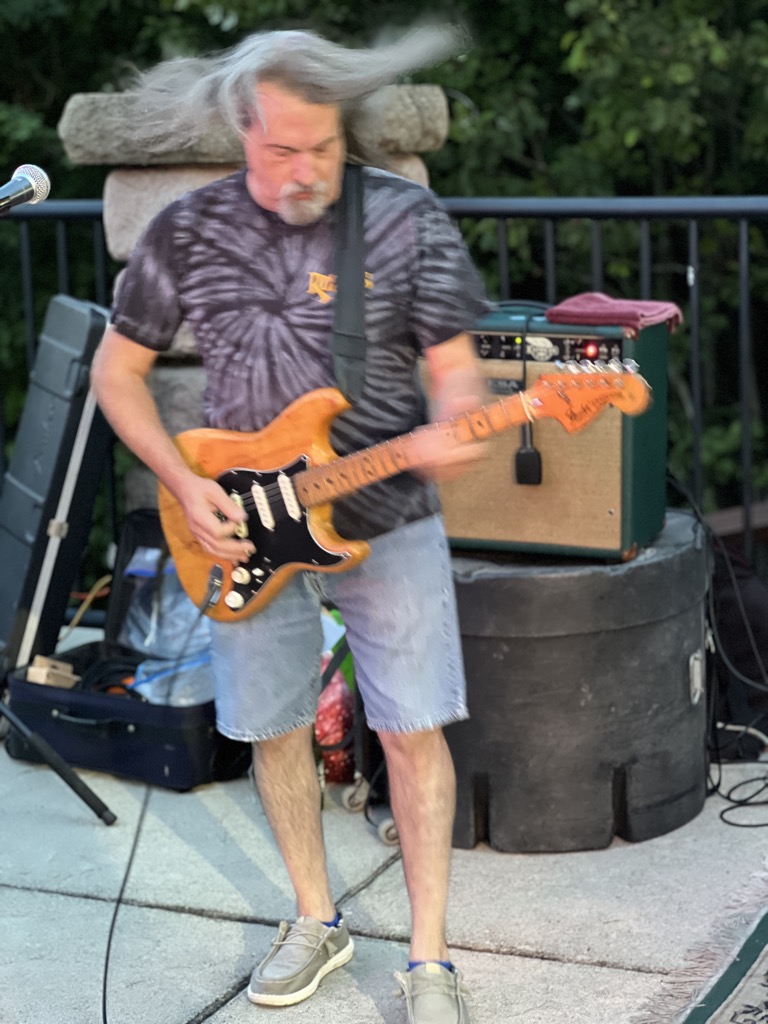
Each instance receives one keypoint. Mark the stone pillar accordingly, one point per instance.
(95, 130)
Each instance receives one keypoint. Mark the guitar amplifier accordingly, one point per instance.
(599, 492)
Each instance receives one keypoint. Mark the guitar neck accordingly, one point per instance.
(350, 473)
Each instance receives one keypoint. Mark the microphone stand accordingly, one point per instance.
(59, 765)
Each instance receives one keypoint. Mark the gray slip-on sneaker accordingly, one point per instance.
(434, 995)
(301, 956)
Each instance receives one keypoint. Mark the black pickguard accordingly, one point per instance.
(290, 540)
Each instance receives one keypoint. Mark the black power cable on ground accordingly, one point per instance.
(759, 784)
(119, 900)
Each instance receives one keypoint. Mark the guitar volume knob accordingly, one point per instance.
(240, 574)
(234, 600)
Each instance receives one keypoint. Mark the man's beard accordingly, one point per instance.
(302, 211)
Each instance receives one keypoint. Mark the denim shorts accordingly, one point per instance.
(399, 610)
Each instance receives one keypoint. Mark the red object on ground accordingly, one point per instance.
(335, 715)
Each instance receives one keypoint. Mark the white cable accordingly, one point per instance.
(744, 730)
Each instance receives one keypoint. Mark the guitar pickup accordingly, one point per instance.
(241, 530)
(289, 497)
(261, 501)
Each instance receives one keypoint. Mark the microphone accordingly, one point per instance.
(29, 184)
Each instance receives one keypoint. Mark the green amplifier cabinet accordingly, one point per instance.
(598, 492)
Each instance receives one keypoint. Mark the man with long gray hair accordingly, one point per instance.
(236, 260)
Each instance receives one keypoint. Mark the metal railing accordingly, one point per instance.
(62, 214)
(547, 217)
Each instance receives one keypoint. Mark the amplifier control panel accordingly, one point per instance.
(546, 348)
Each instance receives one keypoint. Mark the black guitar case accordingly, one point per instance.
(50, 486)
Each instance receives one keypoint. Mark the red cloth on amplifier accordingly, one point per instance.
(601, 310)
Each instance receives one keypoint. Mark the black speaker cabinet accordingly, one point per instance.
(602, 490)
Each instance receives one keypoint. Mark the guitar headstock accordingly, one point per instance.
(577, 395)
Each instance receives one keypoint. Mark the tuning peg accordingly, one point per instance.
(631, 366)
(587, 365)
(573, 367)
(617, 366)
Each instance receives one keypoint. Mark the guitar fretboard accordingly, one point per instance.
(350, 473)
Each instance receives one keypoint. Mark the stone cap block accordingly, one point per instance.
(95, 129)
(132, 197)
(410, 166)
(406, 119)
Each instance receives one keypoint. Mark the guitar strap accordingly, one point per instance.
(349, 341)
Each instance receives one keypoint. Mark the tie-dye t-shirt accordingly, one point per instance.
(259, 296)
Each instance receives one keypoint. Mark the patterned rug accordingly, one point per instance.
(724, 981)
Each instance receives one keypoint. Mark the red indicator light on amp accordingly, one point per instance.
(591, 349)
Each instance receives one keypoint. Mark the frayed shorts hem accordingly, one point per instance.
(269, 734)
(421, 725)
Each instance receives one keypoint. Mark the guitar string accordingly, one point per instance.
(273, 490)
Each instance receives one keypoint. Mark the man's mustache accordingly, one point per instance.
(317, 191)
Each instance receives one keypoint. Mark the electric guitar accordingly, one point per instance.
(287, 476)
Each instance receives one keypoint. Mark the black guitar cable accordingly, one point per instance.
(119, 900)
(212, 595)
(527, 461)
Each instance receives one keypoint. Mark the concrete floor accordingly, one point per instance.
(583, 937)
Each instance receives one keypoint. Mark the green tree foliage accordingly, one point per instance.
(671, 97)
